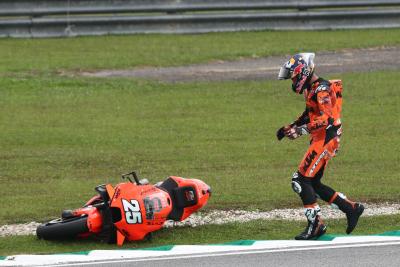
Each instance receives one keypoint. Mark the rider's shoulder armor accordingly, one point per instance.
(321, 85)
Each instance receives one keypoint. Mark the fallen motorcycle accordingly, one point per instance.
(130, 211)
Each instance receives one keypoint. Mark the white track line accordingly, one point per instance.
(228, 253)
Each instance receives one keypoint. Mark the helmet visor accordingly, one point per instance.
(284, 73)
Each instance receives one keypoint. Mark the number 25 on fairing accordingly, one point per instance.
(132, 211)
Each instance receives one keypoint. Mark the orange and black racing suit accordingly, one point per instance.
(322, 119)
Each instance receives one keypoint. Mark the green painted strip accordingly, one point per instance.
(239, 243)
(333, 236)
(86, 253)
(327, 237)
(232, 243)
(75, 253)
(390, 233)
(161, 248)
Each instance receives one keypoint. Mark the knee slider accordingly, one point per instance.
(296, 182)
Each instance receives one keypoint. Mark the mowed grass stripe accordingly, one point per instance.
(119, 52)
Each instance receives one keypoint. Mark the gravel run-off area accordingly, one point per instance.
(229, 216)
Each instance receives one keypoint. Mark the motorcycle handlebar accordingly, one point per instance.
(134, 175)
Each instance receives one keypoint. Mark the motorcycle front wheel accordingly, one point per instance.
(60, 229)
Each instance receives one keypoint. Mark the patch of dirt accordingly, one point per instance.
(348, 60)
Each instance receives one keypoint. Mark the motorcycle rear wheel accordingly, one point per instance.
(60, 229)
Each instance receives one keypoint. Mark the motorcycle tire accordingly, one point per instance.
(61, 229)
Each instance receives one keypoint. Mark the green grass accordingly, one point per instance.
(210, 234)
(60, 137)
(114, 52)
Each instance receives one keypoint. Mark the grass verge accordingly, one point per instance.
(210, 234)
(116, 52)
(60, 137)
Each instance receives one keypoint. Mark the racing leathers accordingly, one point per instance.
(321, 119)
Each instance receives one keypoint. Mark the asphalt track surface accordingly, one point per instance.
(372, 254)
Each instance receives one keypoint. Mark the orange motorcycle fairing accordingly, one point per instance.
(95, 219)
(129, 211)
(184, 198)
(143, 209)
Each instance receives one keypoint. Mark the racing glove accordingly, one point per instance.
(292, 131)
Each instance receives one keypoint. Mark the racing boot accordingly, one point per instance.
(353, 210)
(353, 216)
(315, 227)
